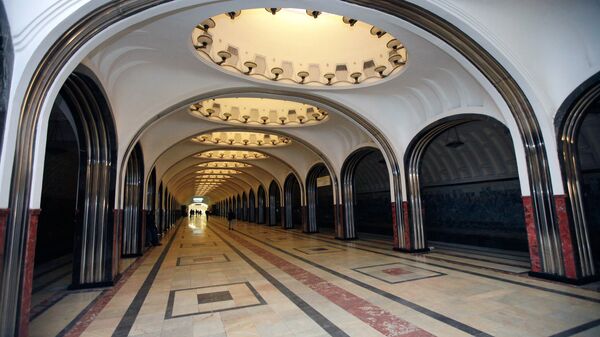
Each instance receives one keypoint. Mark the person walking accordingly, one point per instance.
(230, 217)
(206, 213)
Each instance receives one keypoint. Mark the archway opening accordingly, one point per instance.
(588, 151)
(274, 204)
(74, 239)
(55, 236)
(367, 200)
(320, 200)
(292, 202)
(470, 188)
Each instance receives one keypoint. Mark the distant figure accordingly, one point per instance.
(230, 217)
(206, 213)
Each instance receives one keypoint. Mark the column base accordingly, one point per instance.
(94, 285)
(126, 256)
(310, 232)
(347, 239)
(413, 251)
(557, 278)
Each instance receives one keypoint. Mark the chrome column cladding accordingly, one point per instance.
(96, 134)
(288, 187)
(252, 206)
(311, 194)
(261, 205)
(132, 208)
(274, 202)
(348, 197)
(520, 108)
(568, 122)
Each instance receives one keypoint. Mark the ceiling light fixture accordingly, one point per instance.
(257, 51)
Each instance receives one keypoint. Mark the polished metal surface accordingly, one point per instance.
(348, 196)
(311, 195)
(567, 145)
(132, 209)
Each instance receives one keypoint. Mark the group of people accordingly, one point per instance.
(199, 212)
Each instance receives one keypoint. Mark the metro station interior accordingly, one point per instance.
(298, 168)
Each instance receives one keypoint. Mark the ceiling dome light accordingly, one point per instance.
(257, 112)
(317, 49)
(231, 154)
(240, 138)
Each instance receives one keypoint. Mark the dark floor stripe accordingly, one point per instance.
(437, 316)
(311, 312)
(578, 329)
(533, 286)
(133, 310)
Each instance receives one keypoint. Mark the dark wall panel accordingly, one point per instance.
(483, 214)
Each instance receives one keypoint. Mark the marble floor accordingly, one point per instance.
(208, 281)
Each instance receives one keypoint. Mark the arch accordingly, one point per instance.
(365, 184)
(252, 206)
(481, 170)
(102, 17)
(292, 196)
(86, 171)
(320, 214)
(133, 229)
(578, 125)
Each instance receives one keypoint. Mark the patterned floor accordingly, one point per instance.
(207, 281)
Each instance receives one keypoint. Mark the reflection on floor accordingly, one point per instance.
(207, 281)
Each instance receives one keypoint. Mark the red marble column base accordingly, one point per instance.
(29, 261)
(534, 249)
(395, 226)
(566, 239)
(407, 243)
(3, 219)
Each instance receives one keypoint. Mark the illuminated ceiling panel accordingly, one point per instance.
(258, 111)
(239, 138)
(298, 47)
(231, 154)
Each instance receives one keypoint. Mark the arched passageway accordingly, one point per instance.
(578, 122)
(469, 186)
(75, 229)
(319, 193)
(251, 206)
(274, 204)
(133, 230)
(261, 205)
(292, 202)
(366, 193)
